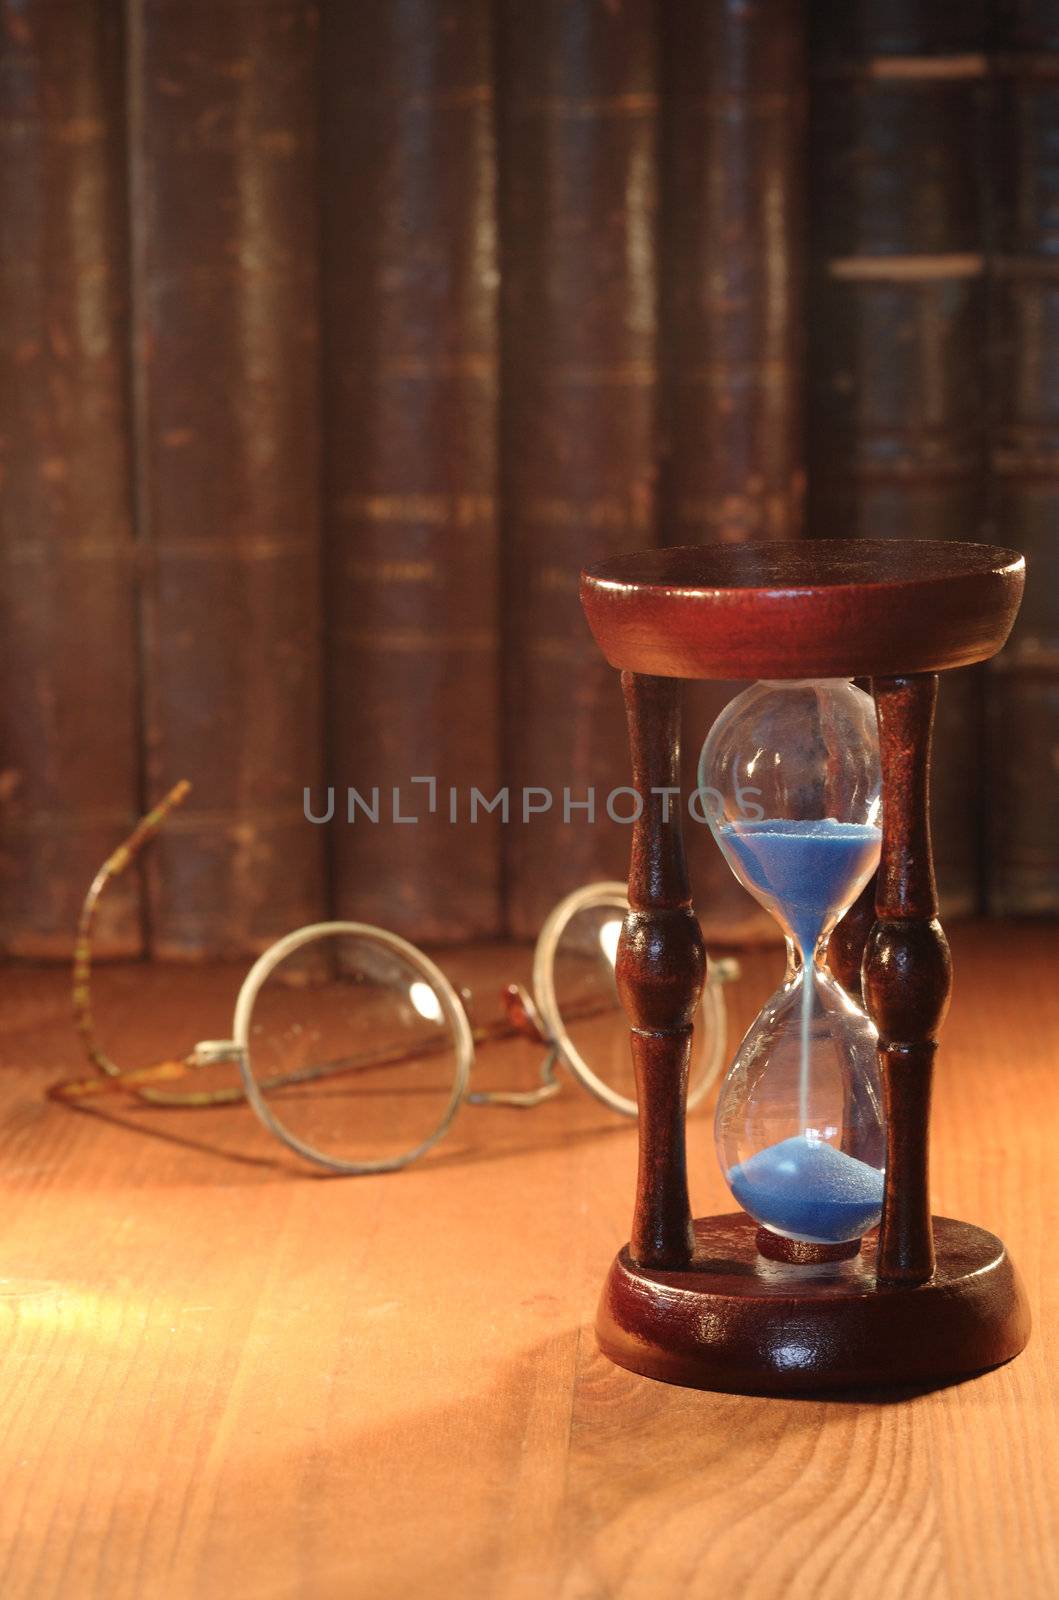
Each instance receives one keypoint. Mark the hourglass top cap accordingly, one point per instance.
(797, 608)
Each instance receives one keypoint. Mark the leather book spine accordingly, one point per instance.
(410, 363)
(579, 208)
(735, 165)
(1022, 860)
(69, 748)
(898, 310)
(222, 107)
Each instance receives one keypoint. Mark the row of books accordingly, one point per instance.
(336, 340)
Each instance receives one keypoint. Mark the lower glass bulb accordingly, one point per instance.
(800, 1132)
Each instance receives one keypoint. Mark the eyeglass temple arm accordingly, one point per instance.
(112, 867)
(524, 1020)
(523, 1099)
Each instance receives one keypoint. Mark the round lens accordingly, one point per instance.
(578, 998)
(355, 1048)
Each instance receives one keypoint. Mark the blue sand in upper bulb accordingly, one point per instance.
(809, 1190)
(808, 868)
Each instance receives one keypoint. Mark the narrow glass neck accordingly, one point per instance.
(794, 956)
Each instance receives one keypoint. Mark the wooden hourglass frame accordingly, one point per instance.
(927, 1299)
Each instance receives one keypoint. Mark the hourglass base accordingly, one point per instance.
(736, 1321)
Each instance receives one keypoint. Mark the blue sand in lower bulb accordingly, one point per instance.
(807, 868)
(809, 1190)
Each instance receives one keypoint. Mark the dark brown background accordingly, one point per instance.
(336, 338)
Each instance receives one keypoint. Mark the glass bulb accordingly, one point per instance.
(789, 776)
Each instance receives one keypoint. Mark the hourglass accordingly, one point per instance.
(790, 779)
(833, 1271)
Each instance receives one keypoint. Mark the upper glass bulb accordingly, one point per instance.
(789, 777)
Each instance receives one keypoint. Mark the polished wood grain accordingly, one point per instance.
(907, 972)
(660, 971)
(225, 1377)
(749, 1319)
(815, 608)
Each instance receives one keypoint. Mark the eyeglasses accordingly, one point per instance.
(355, 1050)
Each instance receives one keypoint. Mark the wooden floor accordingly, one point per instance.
(223, 1376)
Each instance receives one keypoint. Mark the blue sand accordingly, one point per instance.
(809, 1190)
(808, 868)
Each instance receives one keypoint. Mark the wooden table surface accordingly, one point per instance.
(224, 1376)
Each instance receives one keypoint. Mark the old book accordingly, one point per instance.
(579, 142)
(410, 387)
(1022, 863)
(69, 761)
(898, 308)
(734, 314)
(222, 117)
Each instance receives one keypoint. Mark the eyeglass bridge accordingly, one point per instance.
(211, 1052)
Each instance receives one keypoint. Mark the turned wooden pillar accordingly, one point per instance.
(661, 968)
(907, 973)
